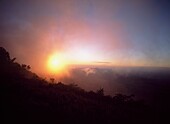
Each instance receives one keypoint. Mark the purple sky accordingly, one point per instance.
(120, 32)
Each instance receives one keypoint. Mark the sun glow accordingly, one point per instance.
(56, 64)
(59, 63)
(84, 55)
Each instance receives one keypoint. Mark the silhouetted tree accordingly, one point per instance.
(73, 85)
(100, 91)
(28, 67)
(52, 80)
(12, 60)
(123, 98)
(24, 66)
(4, 55)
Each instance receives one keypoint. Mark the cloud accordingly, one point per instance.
(89, 71)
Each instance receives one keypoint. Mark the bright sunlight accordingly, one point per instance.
(56, 64)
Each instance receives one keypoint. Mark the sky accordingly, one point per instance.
(96, 32)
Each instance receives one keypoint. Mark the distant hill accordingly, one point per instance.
(27, 98)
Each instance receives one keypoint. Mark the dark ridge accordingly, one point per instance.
(27, 98)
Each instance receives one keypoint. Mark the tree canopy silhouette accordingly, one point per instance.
(4, 56)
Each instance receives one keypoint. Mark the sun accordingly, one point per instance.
(56, 63)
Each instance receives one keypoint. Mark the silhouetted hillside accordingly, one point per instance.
(27, 98)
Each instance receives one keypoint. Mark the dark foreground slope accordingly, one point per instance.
(26, 98)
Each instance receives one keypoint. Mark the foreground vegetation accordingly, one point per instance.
(27, 98)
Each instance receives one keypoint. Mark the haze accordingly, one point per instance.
(93, 32)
